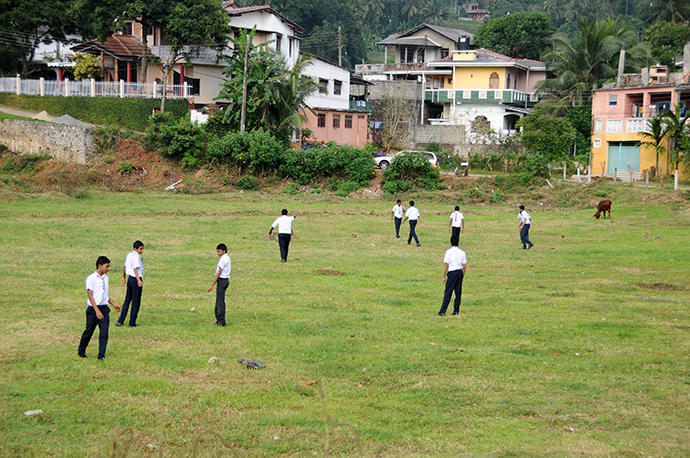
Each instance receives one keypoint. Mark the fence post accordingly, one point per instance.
(155, 88)
(184, 90)
(589, 173)
(122, 89)
(93, 87)
(615, 175)
(579, 180)
(565, 168)
(646, 178)
(66, 87)
(675, 180)
(19, 84)
(42, 86)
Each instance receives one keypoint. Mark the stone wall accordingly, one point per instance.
(59, 141)
(448, 137)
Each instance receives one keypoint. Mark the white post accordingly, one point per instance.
(589, 173)
(421, 117)
(155, 88)
(42, 86)
(579, 180)
(122, 89)
(675, 181)
(646, 178)
(184, 90)
(66, 87)
(615, 175)
(19, 84)
(93, 87)
(565, 168)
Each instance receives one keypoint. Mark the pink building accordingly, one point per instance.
(343, 127)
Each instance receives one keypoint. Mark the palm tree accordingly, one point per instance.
(655, 136)
(677, 129)
(293, 93)
(676, 11)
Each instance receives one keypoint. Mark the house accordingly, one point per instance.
(475, 13)
(121, 56)
(426, 43)
(621, 111)
(479, 89)
(336, 114)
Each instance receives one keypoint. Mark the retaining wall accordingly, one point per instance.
(64, 143)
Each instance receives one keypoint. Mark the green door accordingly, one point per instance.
(623, 153)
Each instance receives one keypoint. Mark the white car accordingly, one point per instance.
(384, 161)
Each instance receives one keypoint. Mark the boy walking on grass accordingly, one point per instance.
(133, 275)
(221, 280)
(413, 215)
(456, 223)
(284, 225)
(398, 212)
(455, 266)
(97, 310)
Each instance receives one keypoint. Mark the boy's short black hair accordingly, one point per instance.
(457, 208)
(412, 203)
(221, 246)
(521, 207)
(102, 260)
(283, 211)
(454, 240)
(398, 200)
(138, 244)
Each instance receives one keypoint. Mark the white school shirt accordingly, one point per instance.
(284, 224)
(133, 261)
(412, 213)
(398, 211)
(224, 265)
(455, 258)
(524, 217)
(98, 285)
(457, 218)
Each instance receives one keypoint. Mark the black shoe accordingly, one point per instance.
(101, 358)
(530, 246)
(397, 236)
(419, 244)
(456, 313)
(133, 325)
(82, 355)
(118, 324)
(283, 260)
(441, 314)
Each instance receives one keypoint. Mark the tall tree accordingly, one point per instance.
(521, 35)
(678, 129)
(666, 41)
(676, 11)
(654, 137)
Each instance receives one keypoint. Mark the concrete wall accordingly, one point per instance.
(320, 69)
(61, 142)
(451, 138)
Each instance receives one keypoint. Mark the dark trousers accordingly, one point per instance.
(524, 236)
(221, 287)
(453, 283)
(134, 296)
(455, 231)
(413, 224)
(284, 242)
(91, 322)
(398, 221)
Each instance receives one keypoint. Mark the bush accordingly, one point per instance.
(346, 187)
(395, 186)
(17, 163)
(291, 189)
(129, 113)
(341, 162)
(547, 135)
(414, 169)
(497, 196)
(107, 139)
(248, 182)
(255, 151)
(176, 138)
(125, 167)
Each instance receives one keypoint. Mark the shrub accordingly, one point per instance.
(341, 162)
(125, 167)
(346, 187)
(414, 169)
(107, 139)
(497, 196)
(248, 182)
(291, 189)
(176, 138)
(395, 186)
(547, 135)
(255, 151)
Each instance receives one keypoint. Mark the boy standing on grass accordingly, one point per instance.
(455, 266)
(97, 310)
(284, 225)
(133, 274)
(456, 223)
(413, 215)
(222, 279)
(398, 212)
(525, 222)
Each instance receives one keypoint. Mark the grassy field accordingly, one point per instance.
(578, 346)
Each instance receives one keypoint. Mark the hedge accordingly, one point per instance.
(128, 113)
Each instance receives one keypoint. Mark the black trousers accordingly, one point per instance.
(134, 296)
(398, 221)
(221, 287)
(91, 322)
(455, 231)
(524, 236)
(413, 224)
(453, 284)
(284, 242)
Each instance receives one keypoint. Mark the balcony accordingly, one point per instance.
(493, 96)
(200, 55)
(360, 105)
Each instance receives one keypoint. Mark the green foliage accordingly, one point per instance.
(580, 117)
(497, 197)
(666, 41)
(546, 134)
(107, 139)
(129, 113)
(395, 186)
(19, 163)
(125, 167)
(291, 189)
(178, 139)
(86, 66)
(414, 169)
(676, 11)
(523, 35)
(254, 151)
(248, 182)
(342, 162)
(346, 187)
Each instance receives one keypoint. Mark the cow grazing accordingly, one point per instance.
(604, 206)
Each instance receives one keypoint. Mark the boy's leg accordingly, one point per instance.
(221, 286)
(103, 326)
(455, 231)
(458, 293)
(397, 227)
(413, 223)
(281, 244)
(527, 226)
(288, 237)
(522, 237)
(91, 323)
(128, 299)
(413, 228)
(136, 302)
(447, 293)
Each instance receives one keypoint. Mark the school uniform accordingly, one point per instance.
(98, 285)
(134, 291)
(456, 223)
(398, 212)
(456, 259)
(224, 266)
(413, 215)
(523, 216)
(284, 225)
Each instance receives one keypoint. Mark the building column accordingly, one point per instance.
(61, 74)
(129, 72)
(181, 74)
(675, 99)
(646, 102)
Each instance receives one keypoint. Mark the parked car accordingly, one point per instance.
(384, 161)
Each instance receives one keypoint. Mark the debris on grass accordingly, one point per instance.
(215, 360)
(31, 413)
(658, 285)
(327, 272)
(251, 363)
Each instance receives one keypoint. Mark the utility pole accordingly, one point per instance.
(340, 46)
(244, 83)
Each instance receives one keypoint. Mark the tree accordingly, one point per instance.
(521, 35)
(676, 11)
(666, 41)
(677, 129)
(543, 133)
(86, 66)
(655, 137)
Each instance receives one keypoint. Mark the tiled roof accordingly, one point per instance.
(488, 57)
(448, 32)
(118, 45)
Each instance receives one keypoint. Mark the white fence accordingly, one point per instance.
(91, 88)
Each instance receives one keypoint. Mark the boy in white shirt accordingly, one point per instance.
(97, 310)
(133, 275)
(456, 223)
(398, 212)
(525, 222)
(455, 267)
(284, 225)
(413, 215)
(222, 280)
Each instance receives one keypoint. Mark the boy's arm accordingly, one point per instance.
(464, 270)
(99, 315)
(450, 223)
(136, 274)
(215, 279)
(124, 275)
(462, 227)
(445, 271)
(111, 302)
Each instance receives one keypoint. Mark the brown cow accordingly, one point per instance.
(604, 206)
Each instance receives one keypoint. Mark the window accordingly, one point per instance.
(480, 124)
(321, 120)
(613, 100)
(336, 121)
(614, 125)
(149, 30)
(360, 117)
(290, 41)
(348, 121)
(493, 81)
(337, 87)
(444, 53)
(128, 28)
(598, 125)
(279, 41)
(323, 86)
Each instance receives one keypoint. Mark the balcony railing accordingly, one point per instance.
(194, 54)
(499, 96)
(360, 105)
(91, 88)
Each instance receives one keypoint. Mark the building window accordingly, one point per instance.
(598, 125)
(336, 121)
(596, 142)
(337, 87)
(128, 28)
(279, 41)
(444, 53)
(614, 125)
(149, 30)
(360, 117)
(348, 121)
(321, 120)
(613, 100)
(290, 41)
(323, 86)
(493, 81)
(480, 124)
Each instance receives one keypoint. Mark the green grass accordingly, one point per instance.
(558, 351)
(4, 115)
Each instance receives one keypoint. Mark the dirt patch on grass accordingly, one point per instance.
(327, 272)
(661, 286)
